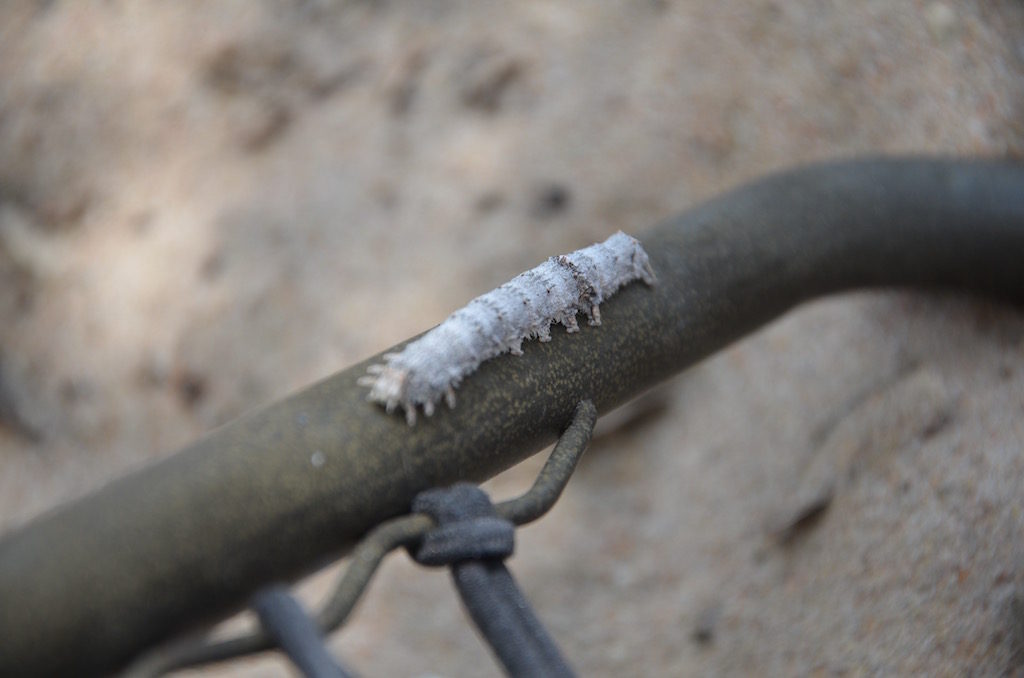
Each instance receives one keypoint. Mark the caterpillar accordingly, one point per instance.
(431, 367)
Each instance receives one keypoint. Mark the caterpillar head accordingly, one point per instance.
(388, 385)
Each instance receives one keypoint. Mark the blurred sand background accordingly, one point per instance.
(205, 206)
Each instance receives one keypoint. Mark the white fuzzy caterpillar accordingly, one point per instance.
(497, 322)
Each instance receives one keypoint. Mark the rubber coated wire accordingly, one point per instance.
(473, 541)
(295, 633)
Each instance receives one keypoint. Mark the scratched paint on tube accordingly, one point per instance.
(431, 367)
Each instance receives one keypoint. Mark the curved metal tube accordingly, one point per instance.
(89, 585)
(370, 552)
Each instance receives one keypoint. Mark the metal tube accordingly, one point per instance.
(89, 585)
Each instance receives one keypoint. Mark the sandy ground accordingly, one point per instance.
(206, 206)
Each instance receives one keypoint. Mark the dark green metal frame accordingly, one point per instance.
(406, 530)
(86, 587)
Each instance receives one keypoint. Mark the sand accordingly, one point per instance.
(206, 206)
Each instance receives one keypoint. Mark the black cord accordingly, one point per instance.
(295, 633)
(474, 541)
